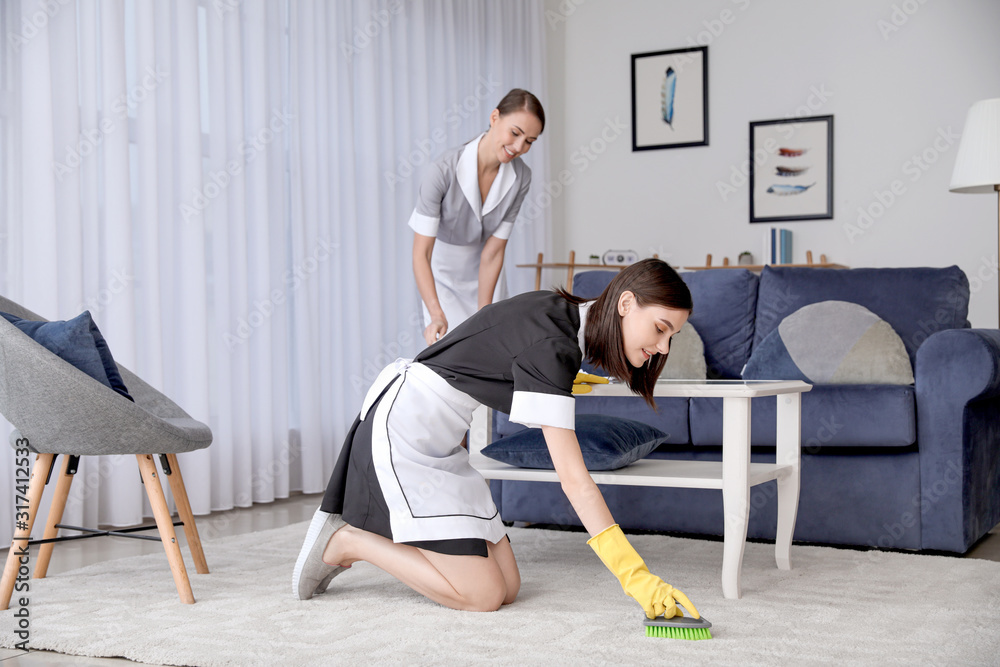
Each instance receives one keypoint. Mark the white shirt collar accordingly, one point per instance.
(584, 309)
(467, 174)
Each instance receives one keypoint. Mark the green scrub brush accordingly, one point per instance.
(678, 627)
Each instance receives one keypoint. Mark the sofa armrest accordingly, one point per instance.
(958, 417)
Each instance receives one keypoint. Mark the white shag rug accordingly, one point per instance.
(835, 606)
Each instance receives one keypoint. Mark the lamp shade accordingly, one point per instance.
(977, 167)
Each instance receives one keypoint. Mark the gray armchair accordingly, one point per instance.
(58, 409)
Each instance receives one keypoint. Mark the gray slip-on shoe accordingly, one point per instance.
(312, 575)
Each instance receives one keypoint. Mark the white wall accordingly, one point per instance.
(893, 93)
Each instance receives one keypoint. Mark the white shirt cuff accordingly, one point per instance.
(534, 410)
(504, 230)
(423, 224)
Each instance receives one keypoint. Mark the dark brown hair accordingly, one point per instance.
(519, 99)
(653, 282)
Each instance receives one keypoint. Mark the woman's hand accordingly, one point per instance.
(609, 542)
(437, 328)
(654, 595)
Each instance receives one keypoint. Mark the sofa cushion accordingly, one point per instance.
(725, 303)
(916, 302)
(590, 284)
(842, 415)
(607, 443)
(831, 342)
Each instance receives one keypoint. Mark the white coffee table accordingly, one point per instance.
(734, 475)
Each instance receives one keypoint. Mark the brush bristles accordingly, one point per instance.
(677, 633)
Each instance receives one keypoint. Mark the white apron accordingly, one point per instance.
(431, 490)
(456, 279)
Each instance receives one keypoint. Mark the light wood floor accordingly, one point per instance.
(72, 555)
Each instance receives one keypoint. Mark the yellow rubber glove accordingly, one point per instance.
(588, 377)
(652, 593)
(582, 382)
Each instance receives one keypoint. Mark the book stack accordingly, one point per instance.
(778, 246)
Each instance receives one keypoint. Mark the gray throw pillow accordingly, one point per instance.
(832, 342)
(686, 360)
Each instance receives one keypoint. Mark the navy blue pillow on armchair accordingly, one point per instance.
(607, 443)
(79, 342)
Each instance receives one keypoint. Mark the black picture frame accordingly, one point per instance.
(791, 169)
(670, 99)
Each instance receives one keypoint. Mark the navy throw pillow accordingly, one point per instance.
(79, 342)
(607, 443)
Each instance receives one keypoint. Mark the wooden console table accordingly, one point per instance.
(734, 475)
(823, 264)
(570, 266)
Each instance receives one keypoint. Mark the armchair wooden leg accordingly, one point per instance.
(158, 502)
(22, 530)
(55, 516)
(184, 511)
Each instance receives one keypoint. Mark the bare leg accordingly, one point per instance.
(470, 583)
(504, 556)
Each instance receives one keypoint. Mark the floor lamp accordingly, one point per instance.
(977, 167)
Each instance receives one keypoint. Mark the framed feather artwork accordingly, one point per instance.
(791, 169)
(670, 99)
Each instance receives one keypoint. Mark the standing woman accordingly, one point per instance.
(403, 495)
(465, 211)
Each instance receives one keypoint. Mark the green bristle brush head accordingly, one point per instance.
(678, 627)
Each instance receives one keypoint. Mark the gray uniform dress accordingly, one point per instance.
(450, 208)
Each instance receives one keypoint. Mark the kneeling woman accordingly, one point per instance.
(403, 495)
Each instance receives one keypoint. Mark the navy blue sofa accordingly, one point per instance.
(890, 466)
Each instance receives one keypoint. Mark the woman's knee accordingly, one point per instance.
(513, 587)
(488, 600)
(487, 594)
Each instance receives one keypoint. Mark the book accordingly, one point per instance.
(786, 246)
(777, 246)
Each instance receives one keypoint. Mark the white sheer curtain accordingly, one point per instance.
(226, 185)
